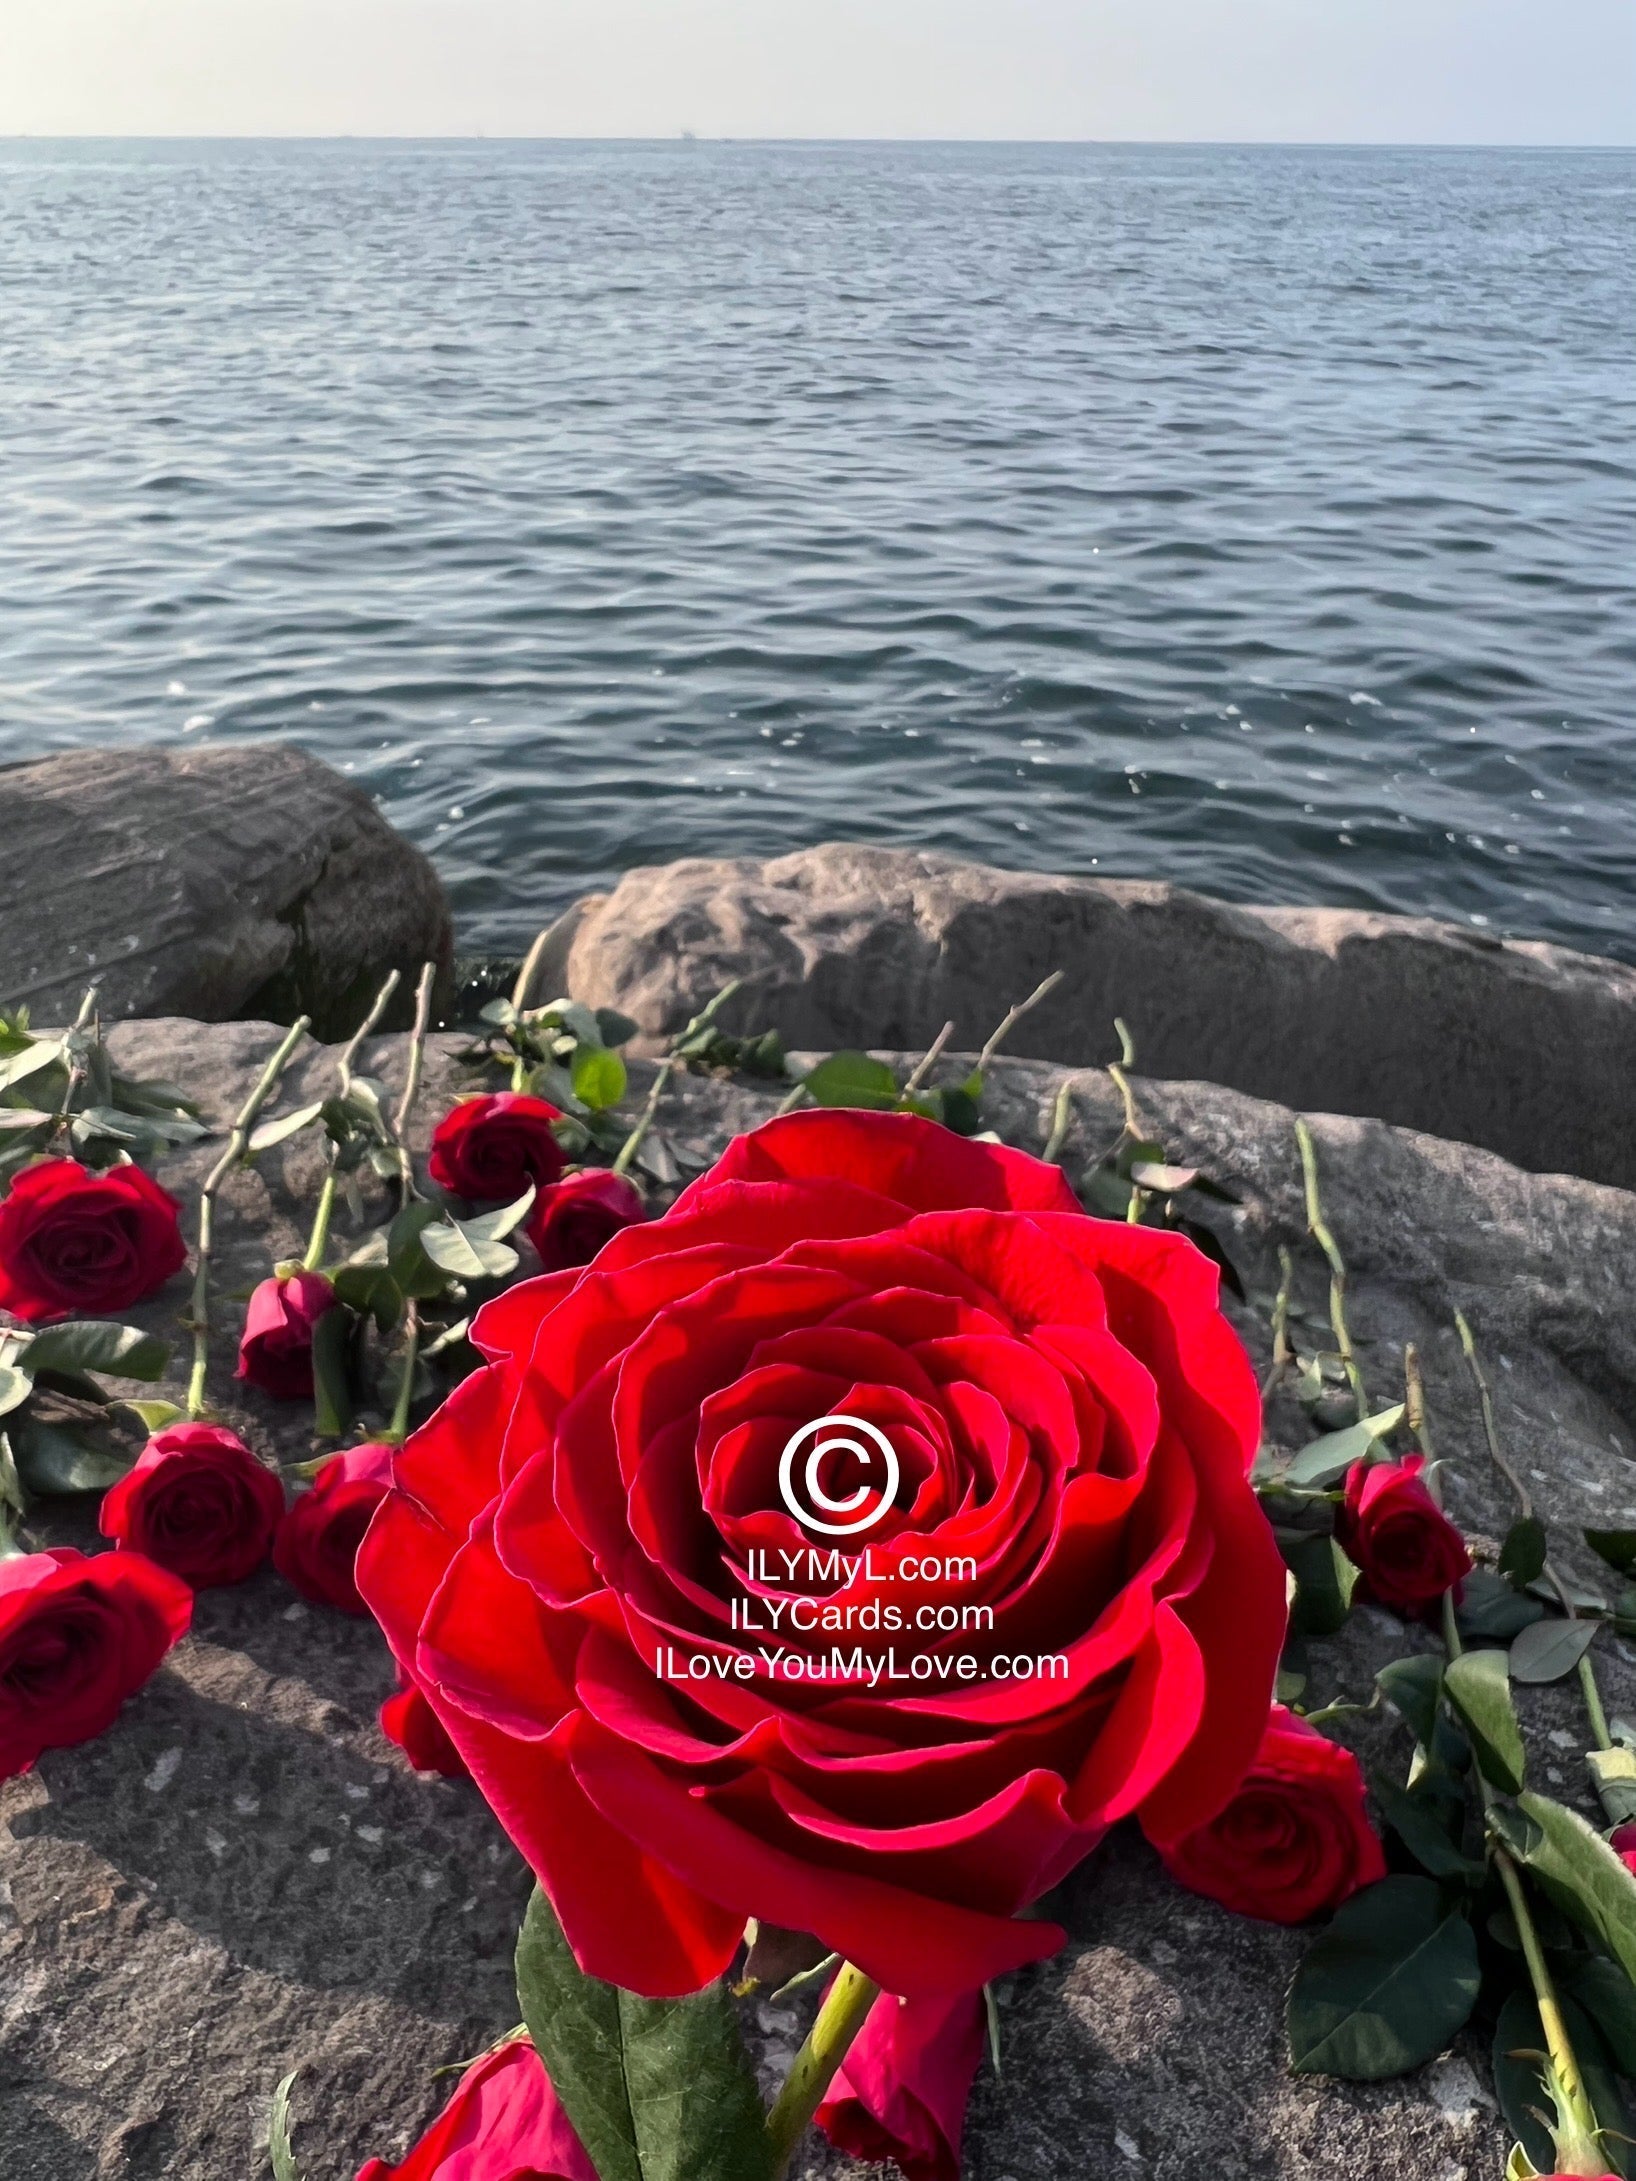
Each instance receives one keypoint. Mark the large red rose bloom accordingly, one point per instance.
(1072, 1417)
(77, 1243)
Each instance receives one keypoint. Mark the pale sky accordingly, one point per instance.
(1419, 71)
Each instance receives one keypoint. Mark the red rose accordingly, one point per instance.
(199, 1503)
(1407, 1548)
(492, 1148)
(503, 2123)
(318, 1540)
(1623, 1843)
(77, 1243)
(410, 1721)
(77, 1637)
(901, 2091)
(1068, 1410)
(1294, 1841)
(572, 1221)
(276, 1350)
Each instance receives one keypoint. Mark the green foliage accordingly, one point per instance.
(1578, 1871)
(60, 1092)
(279, 2147)
(1326, 1461)
(1324, 1582)
(1547, 1650)
(1386, 1987)
(1522, 1556)
(658, 2090)
(55, 1446)
(1519, 2079)
(1479, 1687)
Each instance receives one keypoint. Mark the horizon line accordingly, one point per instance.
(691, 136)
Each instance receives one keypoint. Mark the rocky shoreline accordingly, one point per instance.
(245, 1876)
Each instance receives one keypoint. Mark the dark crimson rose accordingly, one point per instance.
(77, 1637)
(74, 1243)
(317, 1543)
(901, 2091)
(1294, 1841)
(1068, 1412)
(410, 1721)
(1390, 1525)
(503, 2123)
(199, 1503)
(492, 1148)
(1624, 1847)
(276, 1350)
(571, 1221)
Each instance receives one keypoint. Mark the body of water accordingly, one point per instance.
(1259, 519)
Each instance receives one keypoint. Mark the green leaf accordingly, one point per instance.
(1324, 1582)
(122, 1351)
(1614, 1771)
(1580, 1873)
(1328, 1459)
(615, 1028)
(1547, 1650)
(1414, 1689)
(371, 1291)
(53, 1459)
(1522, 1556)
(1386, 1987)
(495, 1226)
(1490, 1610)
(1607, 1995)
(598, 1076)
(15, 1388)
(853, 1079)
(152, 1415)
(1616, 1547)
(658, 2090)
(19, 1066)
(332, 1391)
(1418, 1823)
(1479, 1687)
(452, 1248)
(279, 2147)
(406, 1256)
(285, 1125)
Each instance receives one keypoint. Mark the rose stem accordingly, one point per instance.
(929, 1059)
(1564, 2063)
(667, 1068)
(1015, 1016)
(74, 1070)
(520, 991)
(412, 1075)
(318, 1243)
(1062, 1120)
(1280, 1323)
(398, 1430)
(1319, 1230)
(1133, 1126)
(1525, 1508)
(838, 2021)
(238, 1143)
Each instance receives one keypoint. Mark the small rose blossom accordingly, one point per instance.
(74, 1243)
(410, 1721)
(491, 1148)
(318, 1540)
(1406, 1547)
(901, 2091)
(275, 1353)
(502, 2123)
(199, 1503)
(572, 1220)
(1624, 1846)
(77, 1637)
(1294, 1841)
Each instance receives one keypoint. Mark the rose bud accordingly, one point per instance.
(901, 2091)
(199, 1503)
(74, 1243)
(572, 1220)
(502, 2123)
(1294, 1841)
(318, 1540)
(275, 1352)
(410, 1721)
(77, 1637)
(1406, 1547)
(491, 1148)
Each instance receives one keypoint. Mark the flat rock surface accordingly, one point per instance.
(1526, 1048)
(243, 1875)
(209, 882)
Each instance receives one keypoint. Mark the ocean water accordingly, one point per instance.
(1260, 519)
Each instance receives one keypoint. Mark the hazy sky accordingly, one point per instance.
(1445, 71)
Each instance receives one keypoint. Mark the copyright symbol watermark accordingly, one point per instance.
(837, 1435)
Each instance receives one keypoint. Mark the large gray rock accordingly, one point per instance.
(1525, 1048)
(243, 1875)
(243, 879)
